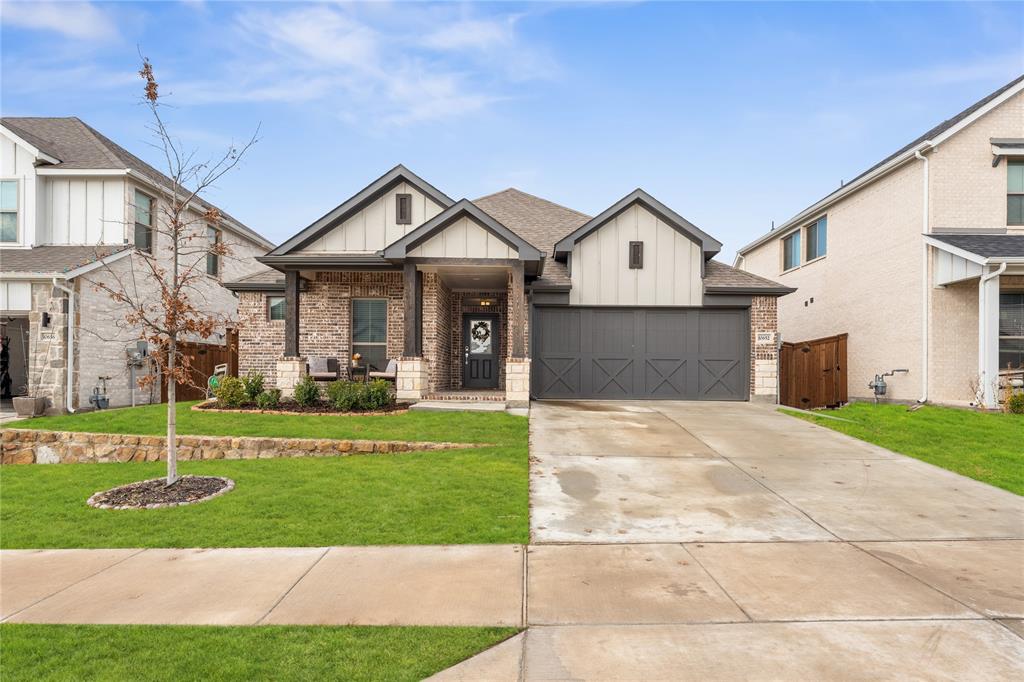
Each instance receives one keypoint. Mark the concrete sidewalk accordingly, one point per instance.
(400, 585)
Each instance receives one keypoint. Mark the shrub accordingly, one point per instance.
(1015, 403)
(253, 382)
(378, 395)
(345, 396)
(230, 392)
(269, 399)
(307, 392)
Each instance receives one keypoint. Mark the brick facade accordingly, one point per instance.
(325, 317)
(461, 305)
(764, 357)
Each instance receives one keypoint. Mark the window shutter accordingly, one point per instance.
(636, 255)
(403, 209)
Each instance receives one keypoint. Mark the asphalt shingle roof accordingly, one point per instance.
(80, 146)
(721, 276)
(986, 245)
(52, 260)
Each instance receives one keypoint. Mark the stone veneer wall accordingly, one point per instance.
(30, 446)
(47, 356)
(325, 316)
(764, 358)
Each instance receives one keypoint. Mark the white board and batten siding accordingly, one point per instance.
(671, 272)
(464, 239)
(84, 211)
(15, 296)
(374, 227)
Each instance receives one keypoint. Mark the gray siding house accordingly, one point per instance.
(512, 297)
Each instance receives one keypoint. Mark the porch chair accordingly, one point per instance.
(390, 373)
(324, 369)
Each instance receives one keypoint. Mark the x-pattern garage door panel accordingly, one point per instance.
(641, 353)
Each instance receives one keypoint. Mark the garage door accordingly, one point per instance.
(641, 353)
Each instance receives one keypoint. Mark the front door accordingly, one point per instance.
(480, 351)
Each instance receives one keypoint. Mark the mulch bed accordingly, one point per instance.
(155, 493)
(292, 407)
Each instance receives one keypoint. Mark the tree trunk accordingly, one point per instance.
(172, 421)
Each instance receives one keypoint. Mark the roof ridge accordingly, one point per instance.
(101, 140)
(533, 196)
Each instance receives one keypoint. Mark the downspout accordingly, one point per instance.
(925, 285)
(983, 333)
(71, 345)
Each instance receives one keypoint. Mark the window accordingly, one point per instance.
(791, 251)
(212, 257)
(403, 209)
(1011, 329)
(8, 211)
(275, 308)
(1015, 192)
(143, 222)
(817, 238)
(636, 255)
(370, 331)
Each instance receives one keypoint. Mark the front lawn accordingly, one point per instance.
(988, 447)
(151, 420)
(148, 652)
(441, 497)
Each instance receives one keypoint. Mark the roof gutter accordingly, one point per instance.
(926, 290)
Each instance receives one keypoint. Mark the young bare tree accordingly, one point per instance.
(162, 292)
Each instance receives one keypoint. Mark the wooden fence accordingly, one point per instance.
(813, 373)
(204, 357)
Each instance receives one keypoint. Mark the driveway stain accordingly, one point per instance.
(578, 484)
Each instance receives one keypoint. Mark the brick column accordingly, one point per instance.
(764, 348)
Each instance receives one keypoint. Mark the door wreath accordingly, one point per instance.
(481, 331)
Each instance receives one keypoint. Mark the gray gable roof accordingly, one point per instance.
(539, 221)
(53, 260)
(709, 245)
(463, 207)
(986, 245)
(720, 278)
(360, 200)
(79, 146)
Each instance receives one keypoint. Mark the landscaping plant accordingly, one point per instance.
(269, 399)
(231, 392)
(378, 395)
(253, 385)
(307, 392)
(1015, 403)
(345, 396)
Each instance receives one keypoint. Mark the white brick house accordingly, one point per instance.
(73, 204)
(920, 259)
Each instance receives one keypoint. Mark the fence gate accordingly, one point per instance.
(204, 357)
(813, 373)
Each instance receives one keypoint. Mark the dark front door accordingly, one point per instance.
(480, 351)
(645, 353)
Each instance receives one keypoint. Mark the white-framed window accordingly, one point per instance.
(1011, 329)
(8, 211)
(816, 238)
(275, 308)
(370, 331)
(144, 206)
(212, 257)
(1015, 191)
(791, 251)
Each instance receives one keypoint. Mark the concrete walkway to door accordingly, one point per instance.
(712, 541)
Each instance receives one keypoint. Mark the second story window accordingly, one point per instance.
(143, 222)
(8, 211)
(1015, 192)
(213, 258)
(791, 251)
(817, 238)
(403, 209)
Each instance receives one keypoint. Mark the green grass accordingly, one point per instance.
(151, 420)
(452, 496)
(153, 652)
(987, 447)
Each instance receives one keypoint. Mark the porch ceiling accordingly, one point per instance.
(472, 277)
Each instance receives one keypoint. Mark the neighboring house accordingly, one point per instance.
(512, 294)
(920, 259)
(73, 204)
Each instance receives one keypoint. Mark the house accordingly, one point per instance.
(75, 205)
(920, 259)
(509, 297)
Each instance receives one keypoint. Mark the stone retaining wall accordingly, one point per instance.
(30, 446)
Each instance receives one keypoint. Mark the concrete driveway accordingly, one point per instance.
(677, 540)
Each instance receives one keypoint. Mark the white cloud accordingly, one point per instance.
(473, 34)
(78, 20)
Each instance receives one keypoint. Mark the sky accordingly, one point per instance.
(733, 114)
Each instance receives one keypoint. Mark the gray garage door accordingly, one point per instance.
(641, 353)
